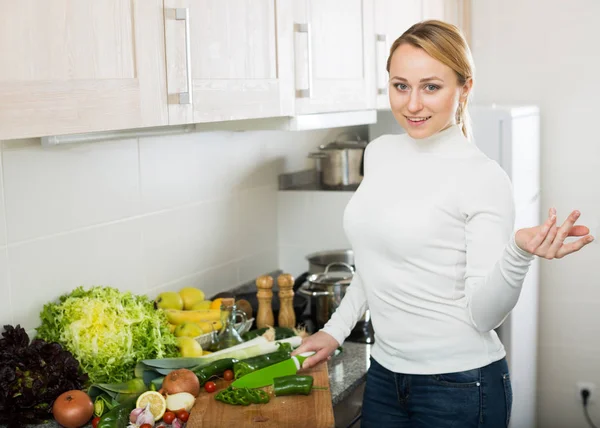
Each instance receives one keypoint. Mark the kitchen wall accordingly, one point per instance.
(141, 214)
(546, 52)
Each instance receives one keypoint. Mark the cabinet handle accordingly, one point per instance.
(380, 38)
(183, 14)
(305, 28)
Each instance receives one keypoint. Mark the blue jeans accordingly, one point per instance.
(475, 398)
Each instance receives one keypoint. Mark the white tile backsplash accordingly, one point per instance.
(145, 214)
(6, 314)
(42, 270)
(57, 189)
(188, 240)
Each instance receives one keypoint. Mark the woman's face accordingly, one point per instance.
(424, 93)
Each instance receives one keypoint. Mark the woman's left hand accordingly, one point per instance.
(547, 240)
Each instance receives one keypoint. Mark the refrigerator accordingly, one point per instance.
(510, 135)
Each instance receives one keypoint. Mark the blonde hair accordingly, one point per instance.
(446, 43)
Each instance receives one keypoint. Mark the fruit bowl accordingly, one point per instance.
(205, 340)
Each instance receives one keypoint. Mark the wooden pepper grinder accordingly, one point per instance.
(264, 317)
(287, 317)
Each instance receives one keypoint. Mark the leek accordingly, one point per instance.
(253, 348)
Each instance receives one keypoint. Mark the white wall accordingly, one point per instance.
(547, 53)
(141, 214)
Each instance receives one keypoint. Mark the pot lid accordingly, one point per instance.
(333, 277)
(340, 145)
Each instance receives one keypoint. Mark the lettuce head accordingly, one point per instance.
(107, 331)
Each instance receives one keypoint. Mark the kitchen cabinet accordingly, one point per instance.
(228, 60)
(445, 10)
(392, 18)
(80, 66)
(333, 53)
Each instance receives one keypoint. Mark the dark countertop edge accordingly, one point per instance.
(348, 390)
(348, 370)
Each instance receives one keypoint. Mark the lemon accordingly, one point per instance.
(191, 296)
(158, 404)
(189, 329)
(188, 347)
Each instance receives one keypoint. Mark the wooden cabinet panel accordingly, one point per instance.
(392, 18)
(234, 59)
(73, 67)
(332, 56)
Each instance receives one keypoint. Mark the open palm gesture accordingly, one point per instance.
(547, 240)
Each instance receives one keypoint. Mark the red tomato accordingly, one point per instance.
(145, 426)
(182, 415)
(228, 375)
(95, 421)
(210, 386)
(169, 417)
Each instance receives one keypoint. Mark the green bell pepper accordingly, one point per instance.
(292, 385)
(215, 368)
(242, 396)
(118, 417)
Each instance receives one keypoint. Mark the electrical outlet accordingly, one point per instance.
(590, 387)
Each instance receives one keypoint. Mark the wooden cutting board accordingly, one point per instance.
(294, 411)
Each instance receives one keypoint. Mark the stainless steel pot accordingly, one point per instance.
(317, 262)
(339, 163)
(327, 289)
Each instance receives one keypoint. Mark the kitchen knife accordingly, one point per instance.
(265, 376)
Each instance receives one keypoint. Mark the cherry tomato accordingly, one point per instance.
(95, 421)
(145, 426)
(228, 375)
(182, 415)
(169, 417)
(210, 386)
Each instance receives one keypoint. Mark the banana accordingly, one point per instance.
(172, 327)
(179, 317)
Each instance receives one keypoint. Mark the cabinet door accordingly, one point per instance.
(80, 66)
(444, 10)
(333, 55)
(227, 53)
(392, 18)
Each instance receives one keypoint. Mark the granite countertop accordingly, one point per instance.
(348, 370)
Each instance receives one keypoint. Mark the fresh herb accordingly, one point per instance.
(32, 376)
(108, 331)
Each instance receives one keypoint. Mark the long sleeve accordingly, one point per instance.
(496, 266)
(352, 307)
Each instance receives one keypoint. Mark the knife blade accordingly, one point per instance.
(265, 376)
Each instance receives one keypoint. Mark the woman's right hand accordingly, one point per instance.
(322, 343)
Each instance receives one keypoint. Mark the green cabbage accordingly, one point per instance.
(107, 331)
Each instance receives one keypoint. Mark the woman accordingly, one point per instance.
(437, 261)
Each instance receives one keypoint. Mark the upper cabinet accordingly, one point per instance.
(392, 18)
(80, 66)
(333, 53)
(445, 10)
(70, 67)
(228, 60)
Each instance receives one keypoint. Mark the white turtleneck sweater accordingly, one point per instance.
(431, 227)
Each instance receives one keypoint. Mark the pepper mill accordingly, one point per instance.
(287, 316)
(264, 317)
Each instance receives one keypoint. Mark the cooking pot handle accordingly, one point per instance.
(304, 290)
(346, 265)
